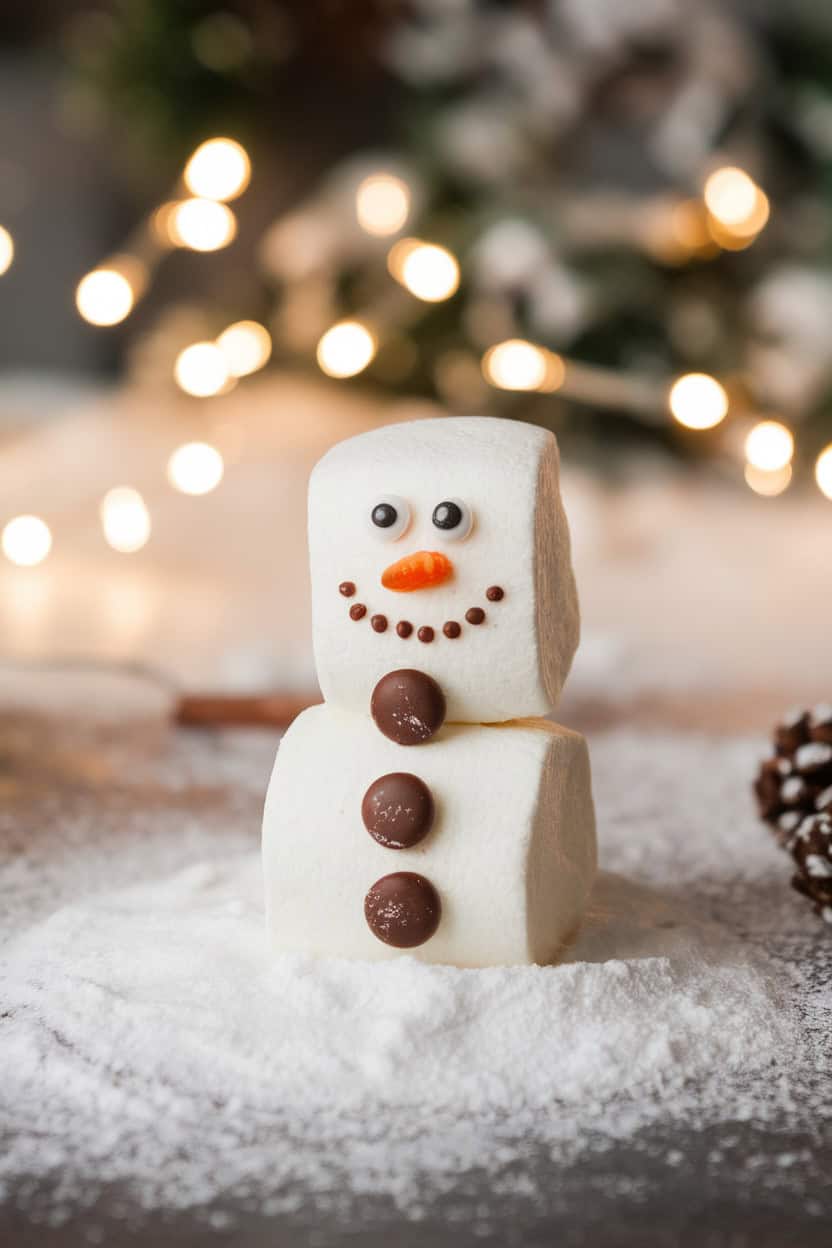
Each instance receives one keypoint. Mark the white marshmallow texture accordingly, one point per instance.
(511, 851)
(442, 545)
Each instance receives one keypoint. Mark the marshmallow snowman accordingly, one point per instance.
(424, 807)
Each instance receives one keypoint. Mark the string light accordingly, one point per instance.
(730, 196)
(125, 519)
(219, 169)
(26, 541)
(246, 346)
(162, 224)
(823, 471)
(201, 225)
(346, 349)
(768, 483)
(428, 271)
(769, 446)
(382, 204)
(201, 370)
(6, 250)
(738, 209)
(104, 297)
(698, 401)
(519, 365)
(195, 468)
(689, 227)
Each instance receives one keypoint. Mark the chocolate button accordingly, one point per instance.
(398, 810)
(408, 706)
(403, 909)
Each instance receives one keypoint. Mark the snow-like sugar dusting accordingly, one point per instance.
(150, 1036)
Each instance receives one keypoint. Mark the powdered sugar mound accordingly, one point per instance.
(155, 1021)
(150, 1039)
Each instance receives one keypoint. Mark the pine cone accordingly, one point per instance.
(794, 795)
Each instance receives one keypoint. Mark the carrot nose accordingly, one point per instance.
(417, 571)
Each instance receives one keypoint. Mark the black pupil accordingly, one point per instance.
(447, 516)
(384, 514)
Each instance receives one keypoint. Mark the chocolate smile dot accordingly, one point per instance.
(403, 909)
(408, 706)
(347, 588)
(475, 615)
(357, 611)
(451, 629)
(425, 634)
(379, 623)
(404, 628)
(398, 810)
(494, 593)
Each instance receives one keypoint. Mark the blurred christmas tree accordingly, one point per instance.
(581, 202)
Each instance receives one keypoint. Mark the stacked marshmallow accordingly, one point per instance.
(426, 807)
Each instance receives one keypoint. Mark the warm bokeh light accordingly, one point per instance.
(201, 225)
(738, 237)
(346, 349)
(202, 370)
(428, 271)
(769, 484)
(520, 365)
(104, 297)
(246, 346)
(6, 249)
(125, 519)
(738, 209)
(26, 541)
(730, 196)
(195, 468)
(689, 227)
(698, 401)
(382, 204)
(676, 231)
(823, 471)
(756, 220)
(162, 224)
(219, 169)
(769, 446)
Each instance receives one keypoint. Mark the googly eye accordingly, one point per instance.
(390, 518)
(453, 519)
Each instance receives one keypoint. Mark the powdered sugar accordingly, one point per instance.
(150, 1037)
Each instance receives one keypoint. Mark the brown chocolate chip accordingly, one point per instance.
(347, 588)
(451, 629)
(475, 615)
(425, 634)
(357, 611)
(403, 909)
(494, 593)
(379, 623)
(398, 810)
(408, 706)
(404, 628)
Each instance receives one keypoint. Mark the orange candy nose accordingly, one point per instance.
(418, 571)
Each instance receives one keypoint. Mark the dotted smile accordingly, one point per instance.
(451, 629)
